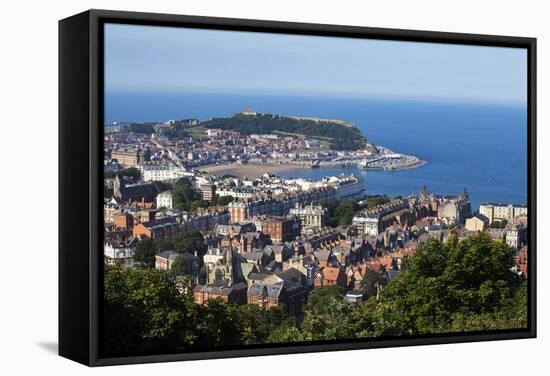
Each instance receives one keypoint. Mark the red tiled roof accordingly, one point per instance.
(330, 273)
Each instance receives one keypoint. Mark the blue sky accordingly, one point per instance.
(150, 58)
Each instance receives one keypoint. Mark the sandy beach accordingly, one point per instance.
(249, 170)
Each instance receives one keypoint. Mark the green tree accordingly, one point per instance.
(143, 311)
(457, 286)
(179, 266)
(223, 201)
(190, 241)
(217, 324)
(339, 136)
(143, 128)
(499, 224)
(326, 315)
(341, 212)
(285, 333)
(145, 252)
(373, 281)
(447, 282)
(372, 201)
(322, 297)
(185, 197)
(130, 172)
(345, 212)
(509, 315)
(163, 244)
(256, 324)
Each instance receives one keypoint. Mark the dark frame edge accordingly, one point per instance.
(532, 181)
(74, 245)
(287, 27)
(305, 349)
(96, 154)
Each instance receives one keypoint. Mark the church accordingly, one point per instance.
(132, 193)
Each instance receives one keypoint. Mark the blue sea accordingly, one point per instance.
(478, 146)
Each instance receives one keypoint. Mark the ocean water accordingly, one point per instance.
(478, 146)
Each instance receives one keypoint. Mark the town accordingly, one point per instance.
(167, 150)
(268, 240)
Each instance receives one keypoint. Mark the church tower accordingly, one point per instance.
(229, 265)
(465, 195)
(118, 183)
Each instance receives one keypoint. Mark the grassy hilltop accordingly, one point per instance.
(340, 135)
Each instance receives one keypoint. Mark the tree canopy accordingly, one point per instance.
(145, 312)
(499, 224)
(341, 212)
(185, 197)
(189, 241)
(143, 128)
(340, 136)
(130, 172)
(372, 201)
(145, 252)
(457, 286)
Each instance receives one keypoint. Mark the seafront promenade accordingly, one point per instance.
(255, 170)
(250, 170)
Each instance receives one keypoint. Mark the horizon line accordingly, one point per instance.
(320, 94)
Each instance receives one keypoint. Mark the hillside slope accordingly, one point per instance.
(338, 135)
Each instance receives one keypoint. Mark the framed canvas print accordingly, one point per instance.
(235, 187)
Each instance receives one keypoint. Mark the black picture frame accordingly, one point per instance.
(80, 161)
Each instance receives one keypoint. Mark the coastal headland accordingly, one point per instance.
(251, 144)
(317, 143)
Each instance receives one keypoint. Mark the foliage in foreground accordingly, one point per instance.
(453, 287)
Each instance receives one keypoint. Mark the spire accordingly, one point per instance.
(118, 183)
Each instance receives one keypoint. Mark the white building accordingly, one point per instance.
(347, 186)
(309, 215)
(118, 254)
(312, 143)
(513, 236)
(214, 132)
(497, 212)
(164, 172)
(164, 200)
(302, 184)
(242, 193)
(366, 225)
